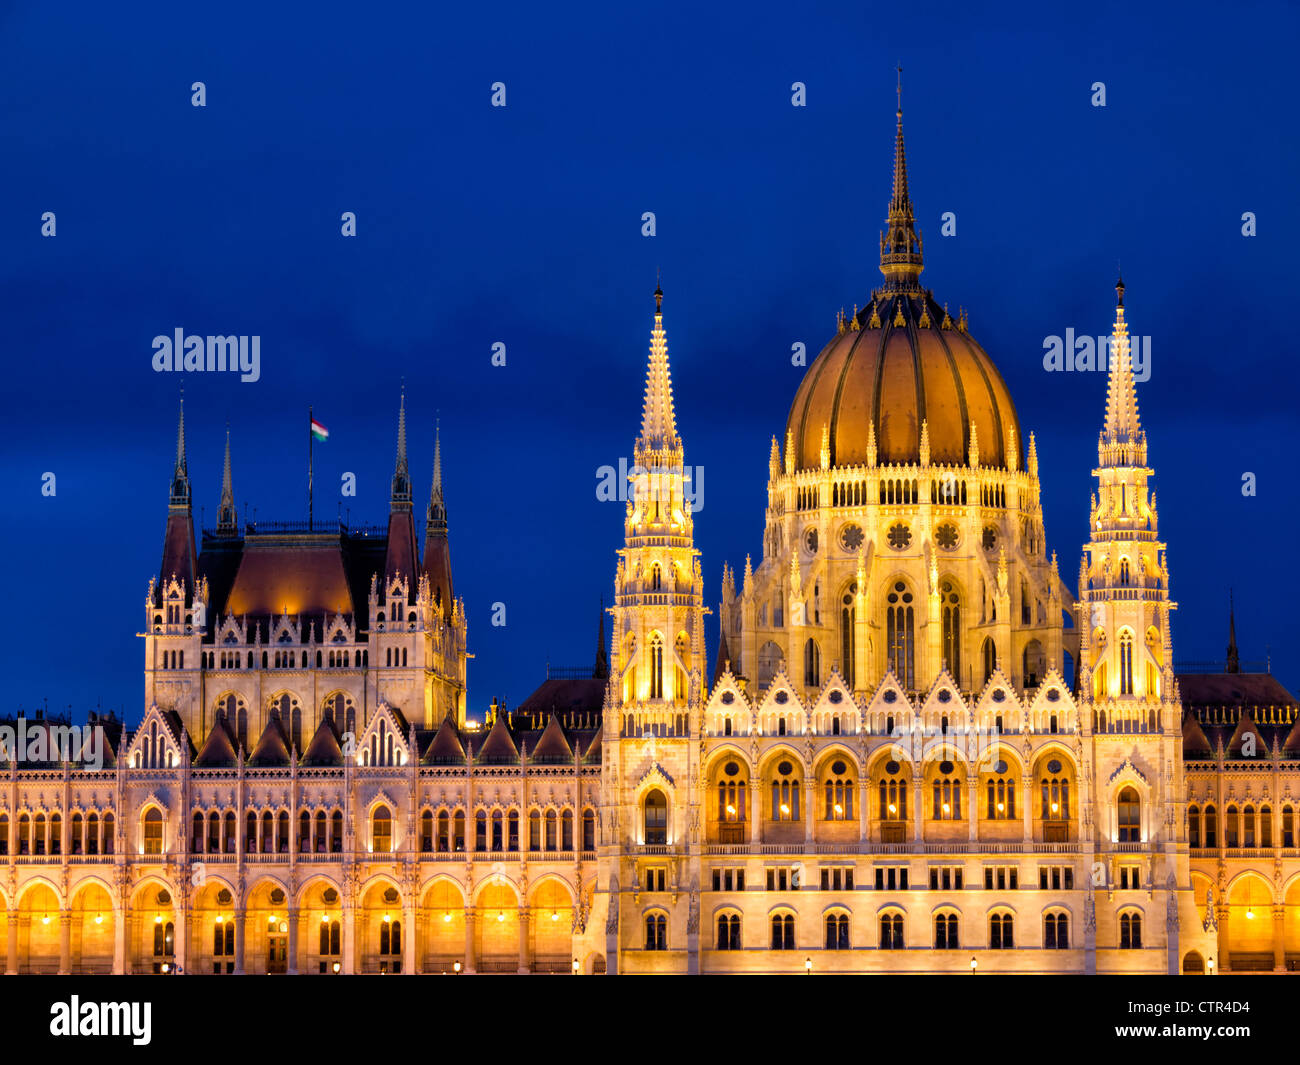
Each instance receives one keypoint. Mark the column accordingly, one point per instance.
(469, 939)
(918, 813)
(293, 918)
(239, 939)
(1224, 962)
(11, 966)
(409, 939)
(864, 813)
(181, 944)
(809, 802)
(756, 813)
(1279, 939)
(972, 806)
(524, 915)
(349, 933)
(119, 940)
(1027, 808)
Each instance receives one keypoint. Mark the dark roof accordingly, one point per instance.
(1225, 706)
(552, 745)
(323, 749)
(500, 746)
(219, 750)
(273, 748)
(446, 747)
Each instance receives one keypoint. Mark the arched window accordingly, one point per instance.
(268, 833)
(1130, 816)
(1265, 827)
(110, 834)
(900, 634)
(1211, 827)
(893, 793)
(1001, 932)
(951, 604)
(153, 831)
(77, 833)
(733, 794)
(1288, 827)
(1056, 931)
(812, 664)
(656, 931)
(837, 931)
(1126, 663)
(426, 831)
(92, 834)
(848, 645)
(390, 941)
(947, 794)
(989, 652)
(1056, 798)
(891, 931)
(381, 830)
(729, 931)
(656, 577)
(945, 932)
(1248, 826)
(785, 792)
(1130, 931)
(656, 667)
(1194, 828)
(480, 830)
(1001, 795)
(680, 683)
(1123, 572)
(1231, 827)
(838, 792)
(656, 817)
(444, 832)
(588, 830)
(783, 931)
(534, 830)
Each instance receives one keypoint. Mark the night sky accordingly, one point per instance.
(522, 225)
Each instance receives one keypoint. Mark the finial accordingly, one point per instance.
(659, 292)
(900, 90)
(1119, 290)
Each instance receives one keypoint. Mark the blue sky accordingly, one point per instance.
(522, 225)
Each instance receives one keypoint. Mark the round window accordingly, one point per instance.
(810, 540)
(891, 696)
(900, 536)
(782, 697)
(1001, 767)
(1054, 766)
(731, 769)
(999, 696)
(837, 696)
(891, 767)
(1053, 695)
(838, 768)
(785, 769)
(946, 535)
(990, 538)
(945, 767)
(728, 698)
(945, 696)
(851, 537)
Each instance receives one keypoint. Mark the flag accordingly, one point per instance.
(318, 431)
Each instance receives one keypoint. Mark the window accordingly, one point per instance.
(588, 830)
(656, 817)
(1230, 827)
(656, 667)
(951, 604)
(329, 944)
(1001, 877)
(381, 830)
(1130, 877)
(153, 831)
(779, 879)
(1056, 931)
(1211, 827)
(1130, 931)
(1001, 932)
(1265, 827)
(1056, 799)
(223, 945)
(1130, 816)
(783, 931)
(891, 931)
(729, 931)
(899, 634)
(848, 644)
(893, 794)
(785, 793)
(390, 945)
(1001, 796)
(656, 878)
(1288, 828)
(1056, 877)
(812, 664)
(729, 879)
(1194, 828)
(838, 791)
(1126, 663)
(945, 932)
(837, 931)
(426, 831)
(837, 878)
(656, 932)
(990, 654)
(947, 795)
(891, 878)
(732, 802)
(945, 877)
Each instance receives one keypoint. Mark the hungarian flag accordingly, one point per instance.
(318, 431)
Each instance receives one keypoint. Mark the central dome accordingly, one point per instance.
(900, 362)
(909, 364)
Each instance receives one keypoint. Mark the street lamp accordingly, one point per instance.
(576, 966)
(338, 967)
(456, 967)
(973, 965)
(807, 966)
(1211, 966)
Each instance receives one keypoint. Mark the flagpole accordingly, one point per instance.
(310, 438)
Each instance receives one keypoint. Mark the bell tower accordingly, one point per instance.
(651, 830)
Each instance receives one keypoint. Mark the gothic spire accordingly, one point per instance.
(1234, 661)
(180, 492)
(900, 243)
(1123, 442)
(658, 420)
(437, 516)
(401, 498)
(601, 671)
(226, 518)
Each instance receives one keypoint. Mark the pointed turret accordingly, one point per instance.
(403, 554)
(437, 548)
(601, 670)
(900, 243)
(179, 554)
(227, 519)
(1233, 664)
(1123, 443)
(658, 419)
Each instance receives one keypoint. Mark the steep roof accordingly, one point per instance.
(220, 748)
(446, 748)
(499, 746)
(552, 746)
(273, 748)
(1195, 742)
(324, 749)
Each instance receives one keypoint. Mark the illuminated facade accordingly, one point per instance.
(918, 750)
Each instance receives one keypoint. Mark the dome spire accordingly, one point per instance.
(900, 243)
(1123, 441)
(658, 420)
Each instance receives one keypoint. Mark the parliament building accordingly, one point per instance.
(917, 749)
